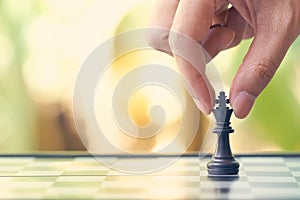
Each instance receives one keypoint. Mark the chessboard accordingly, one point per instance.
(84, 177)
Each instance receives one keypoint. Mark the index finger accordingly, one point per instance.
(161, 21)
(193, 20)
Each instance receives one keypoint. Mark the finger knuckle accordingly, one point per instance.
(158, 39)
(175, 40)
(264, 71)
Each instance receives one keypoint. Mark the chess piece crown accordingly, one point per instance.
(222, 114)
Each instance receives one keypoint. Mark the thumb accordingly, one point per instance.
(257, 69)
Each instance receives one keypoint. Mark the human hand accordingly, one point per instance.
(274, 24)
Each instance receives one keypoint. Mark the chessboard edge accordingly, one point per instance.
(193, 154)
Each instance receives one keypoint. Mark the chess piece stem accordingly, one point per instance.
(223, 149)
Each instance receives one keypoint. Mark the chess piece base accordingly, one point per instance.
(223, 166)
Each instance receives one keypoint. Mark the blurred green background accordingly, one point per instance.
(43, 44)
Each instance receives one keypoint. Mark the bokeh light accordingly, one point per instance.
(44, 43)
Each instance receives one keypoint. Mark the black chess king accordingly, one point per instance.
(223, 162)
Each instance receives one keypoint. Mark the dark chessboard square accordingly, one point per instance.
(124, 190)
(127, 178)
(263, 169)
(276, 193)
(62, 184)
(274, 185)
(294, 168)
(266, 173)
(262, 161)
(224, 178)
(70, 193)
(34, 179)
(47, 159)
(292, 159)
(37, 173)
(264, 164)
(42, 168)
(226, 190)
(175, 179)
(178, 173)
(218, 195)
(85, 173)
(177, 184)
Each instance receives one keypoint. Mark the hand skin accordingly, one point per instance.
(274, 24)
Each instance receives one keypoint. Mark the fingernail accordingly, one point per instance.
(201, 107)
(242, 104)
